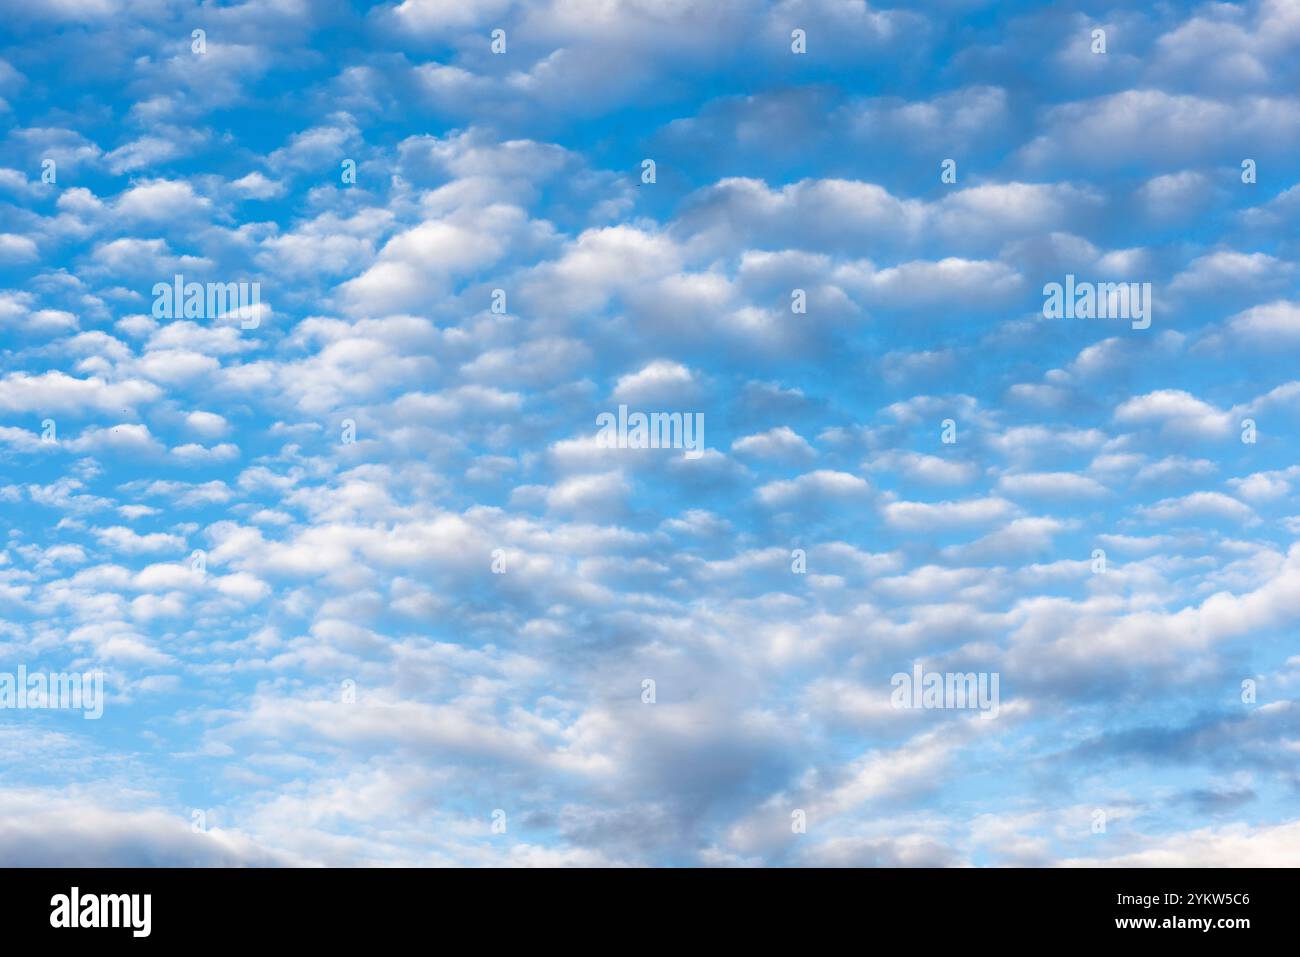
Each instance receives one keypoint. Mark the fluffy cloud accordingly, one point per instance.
(362, 574)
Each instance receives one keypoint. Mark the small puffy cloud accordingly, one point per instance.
(124, 540)
(257, 186)
(209, 425)
(812, 487)
(782, 444)
(160, 199)
(1175, 411)
(921, 467)
(1198, 505)
(56, 391)
(124, 438)
(192, 453)
(660, 381)
(1053, 485)
(1274, 323)
(589, 496)
(15, 248)
(936, 516)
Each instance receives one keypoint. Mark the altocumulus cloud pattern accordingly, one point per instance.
(587, 432)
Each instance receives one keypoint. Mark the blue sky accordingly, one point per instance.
(349, 681)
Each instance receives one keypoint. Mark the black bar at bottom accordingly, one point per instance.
(335, 908)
